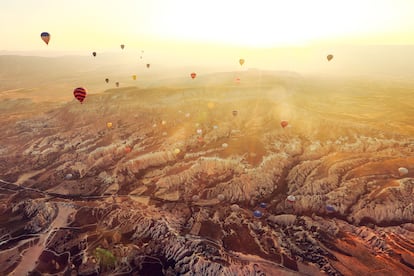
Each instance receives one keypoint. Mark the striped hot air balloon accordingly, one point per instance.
(79, 93)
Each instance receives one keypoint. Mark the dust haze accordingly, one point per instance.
(171, 188)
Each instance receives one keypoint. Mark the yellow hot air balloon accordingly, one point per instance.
(134, 77)
(177, 151)
(241, 61)
(109, 125)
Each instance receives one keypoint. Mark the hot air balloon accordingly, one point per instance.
(45, 37)
(122, 46)
(148, 65)
(221, 197)
(193, 75)
(134, 77)
(94, 54)
(241, 61)
(234, 112)
(330, 208)
(224, 145)
(177, 151)
(109, 125)
(402, 171)
(195, 198)
(263, 205)
(69, 176)
(257, 214)
(284, 124)
(79, 93)
(291, 198)
(235, 207)
(117, 84)
(107, 80)
(329, 57)
(199, 131)
(128, 149)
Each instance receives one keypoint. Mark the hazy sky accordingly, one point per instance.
(103, 25)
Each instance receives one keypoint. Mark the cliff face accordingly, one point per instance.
(164, 199)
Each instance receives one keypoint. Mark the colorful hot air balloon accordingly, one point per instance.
(402, 171)
(330, 208)
(45, 37)
(263, 205)
(284, 124)
(148, 65)
(234, 113)
(107, 80)
(122, 46)
(134, 77)
(117, 84)
(329, 57)
(94, 54)
(80, 94)
(241, 61)
(193, 75)
(291, 198)
(257, 214)
(109, 125)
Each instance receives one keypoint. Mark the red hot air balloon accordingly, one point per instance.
(193, 75)
(128, 149)
(80, 94)
(284, 124)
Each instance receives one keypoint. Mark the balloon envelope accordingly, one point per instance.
(220, 197)
(291, 198)
(329, 57)
(241, 61)
(330, 208)
(94, 54)
(284, 124)
(45, 37)
(109, 125)
(117, 84)
(134, 77)
(263, 205)
(106, 80)
(234, 112)
(148, 65)
(80, 94)
(402, 171)
(122, 46)
(68, 176)
(257, 214)
(193, 75)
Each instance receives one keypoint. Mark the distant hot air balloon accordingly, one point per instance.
(148, 65)
(94, 54)
(195, 198)
(128, 149)
(177, 151)
(117, 84)
(221, 197)
(234, 112)
(402, 171)
(241, 61)
(263, 205)
(291, 198)
(80, 94)
(107, 80)
(330, 208)
(284, 124)
(134, 77)
(199, 131)
(109, 125)
(329, 57)
(69, 176)
(45, 37)
(122, 46)
(257, 214)
(193, 75)
(224, 145)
